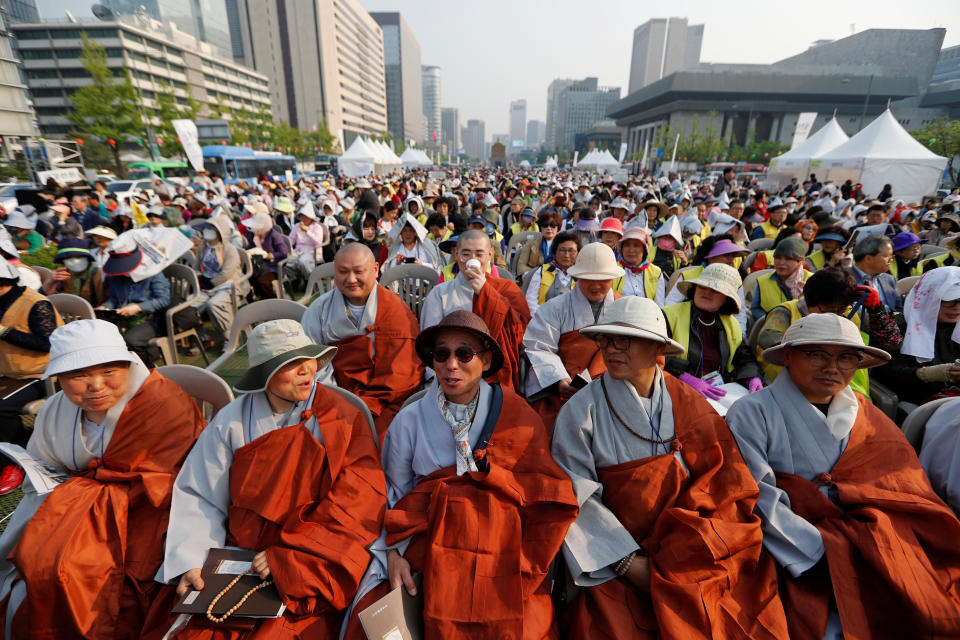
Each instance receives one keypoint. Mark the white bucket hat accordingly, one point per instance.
(85, 343)
(717, 276)
(596, 261)
(636, 317)
(825, 329)
(103, 232)
(273, 344)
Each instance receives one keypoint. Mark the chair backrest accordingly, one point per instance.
(930, 250)
(916, 422)
(412, 282)
(675, 278)
(364, 409)
(750, 283)
(246, 264)
(200, 384)
(187, 258)
(516, 243)
(71, 307)
(505, 274)
(905, 284)
(760, 244)
(525, 280)
(754, 336)
(414, 397)
(43, 272)
(253, 314)
(749, 260)
(184, 282)
(320, 278)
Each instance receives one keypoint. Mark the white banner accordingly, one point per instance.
(623, 151)
(63, 176)
(576, 154)
(189, 139)
(643, 161)
(804, 125)
(673, 157)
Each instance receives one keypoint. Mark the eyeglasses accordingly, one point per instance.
(620, 343)
(549, 224)
(463, 354)
(845, 361)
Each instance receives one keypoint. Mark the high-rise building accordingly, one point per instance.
(156, 57)
(576, 107)
(556, 87)
(401, 56)
(205, 20)
(430, 77)
(16, 114)
(662, 46)
(19, 11)
(535, 133)
(324, 59)
(474, 139)
(518, 125)
(450, 126)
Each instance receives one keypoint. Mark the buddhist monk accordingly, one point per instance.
(289, 470)
(373, 331)
(864, 546)
(666, 544)
(476, 503)
(498, 301)
(562, 360)
(86, 553)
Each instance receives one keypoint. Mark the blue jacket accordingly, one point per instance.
(152, 294)
(886, 286)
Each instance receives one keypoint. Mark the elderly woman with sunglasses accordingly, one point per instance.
(539, 251)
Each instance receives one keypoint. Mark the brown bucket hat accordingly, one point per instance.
(461, 321)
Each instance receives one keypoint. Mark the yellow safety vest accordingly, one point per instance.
(939, 260)
(818, 258)
(651, 278)
(653, 254)
(517, 227)
(915, 271)
(678, 317)
(691, 274)
(770, 231)
(547, 277)
(861, 379)
(447, 273)
(771, 294)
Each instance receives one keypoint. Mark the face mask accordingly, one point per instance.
(76, 265)
(209, 235)
(666, 243)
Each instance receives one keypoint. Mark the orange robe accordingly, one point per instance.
(892, 561)
(90, 552)
(385, 381)
(485, 540)
(504, 310)
(709, 577)
(578, 353)
(314, 508)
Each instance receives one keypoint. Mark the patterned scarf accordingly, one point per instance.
(635, 270)
(460, 417)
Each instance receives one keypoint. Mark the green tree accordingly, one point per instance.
(106, 109)
(169, 109)
(942, 136)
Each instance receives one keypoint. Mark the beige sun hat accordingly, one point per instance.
(636, 317)
(273, 344)
(717, 276)
(825, 329)
(596, 261)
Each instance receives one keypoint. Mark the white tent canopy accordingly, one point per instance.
(796, 162)
(358, 160)
(414, 158)
(883, 153)
(598, 161)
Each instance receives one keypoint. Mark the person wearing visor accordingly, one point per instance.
(100, 251)
(640, 278)
(131, 304)
(79, 561)
(475, 502)
(79, 274)
(310, 503)
(706, 326)
(847, 512)
(665, 543)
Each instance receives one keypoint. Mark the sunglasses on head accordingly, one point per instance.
(463, 354)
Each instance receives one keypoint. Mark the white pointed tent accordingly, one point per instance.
(551, 162)
(883, 153)
(415, 158)
(358, 160)
(598, 161)
(796, 162)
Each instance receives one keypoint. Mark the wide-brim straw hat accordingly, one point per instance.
(596, 261)
(825, 329)
(719, 277)
(653, 202)
(272, 345)
(460, 321)
(636, 317)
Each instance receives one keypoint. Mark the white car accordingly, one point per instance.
(8, 194)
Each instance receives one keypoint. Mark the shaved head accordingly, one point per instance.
(472, 234)
(355, 272)
(354, 251)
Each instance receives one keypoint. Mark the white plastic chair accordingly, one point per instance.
(253, 314)
(760, 244)
(201, 385)
(916, 422)
(71, 307)
(905, 284)
(184, 286)
(750, 283)
(675, 277)
(412, 282)
(320, 278)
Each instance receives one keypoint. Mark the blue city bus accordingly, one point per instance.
(243, 163)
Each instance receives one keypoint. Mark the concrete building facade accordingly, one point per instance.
(553, 111)
(324, 59)
(536, 130)
(205, 20)
(474, 139)
(662, 46)
(578, 107)
(401, 54)
(450, 126)
(157, 57)
(430, 79)
(518, 125)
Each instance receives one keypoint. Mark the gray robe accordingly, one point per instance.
(327, 320)
(568, 312)
(201, 493)
(587, 437)
(445, 298)
(940, 452)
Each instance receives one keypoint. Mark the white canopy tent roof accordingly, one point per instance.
(551, 162)
(414, 158)
(598, 161)
(358, 160)
(796, 162)
(883, 153)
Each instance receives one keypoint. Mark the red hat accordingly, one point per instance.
(612, 224)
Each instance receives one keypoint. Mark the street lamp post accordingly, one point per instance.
(866, 99)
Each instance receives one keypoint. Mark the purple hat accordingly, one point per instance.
(726, 247)
(905, 239)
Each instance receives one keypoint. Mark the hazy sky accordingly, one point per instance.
(495, 51)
